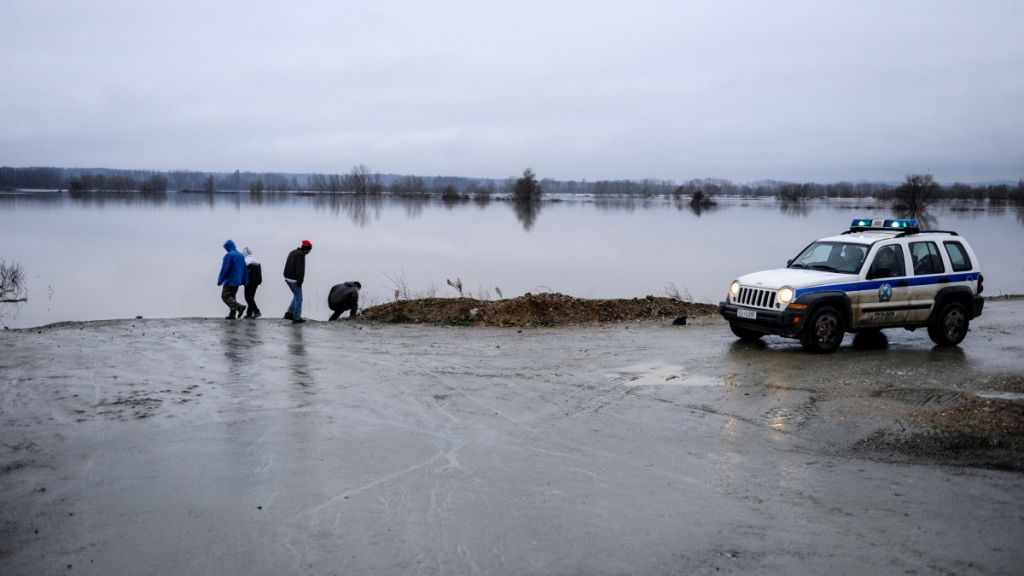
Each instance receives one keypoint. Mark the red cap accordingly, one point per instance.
(307, 244)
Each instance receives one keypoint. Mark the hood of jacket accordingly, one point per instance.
(229, 245)
(250, 258)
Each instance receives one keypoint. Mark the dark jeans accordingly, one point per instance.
(296, 306)
(250, 300)
(228, 296)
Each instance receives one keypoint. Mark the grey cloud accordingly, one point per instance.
(743, 90)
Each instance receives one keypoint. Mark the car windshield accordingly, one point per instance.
(841, 257)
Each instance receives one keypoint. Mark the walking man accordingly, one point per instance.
(294, 274)
(255, 278)
(232, 275)
(344, 297)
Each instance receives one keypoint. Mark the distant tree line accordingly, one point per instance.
(360, 180)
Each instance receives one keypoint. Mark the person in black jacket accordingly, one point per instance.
(294, 274)
(252, 266)
(344, 297)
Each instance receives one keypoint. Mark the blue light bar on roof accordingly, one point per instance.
(880, 224)
(900, 224)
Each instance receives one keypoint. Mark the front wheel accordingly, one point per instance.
(949, 327)
(744, 334)
(824, 333)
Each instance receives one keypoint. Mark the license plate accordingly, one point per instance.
(748, 314)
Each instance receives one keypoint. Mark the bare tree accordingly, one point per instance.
(793, 192)
(12, 282)
(916, 192)
(361, 181)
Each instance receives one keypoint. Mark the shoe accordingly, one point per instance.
(230, 316)
(298, 320)
(240, 310)
(257, 315)
(288, 316)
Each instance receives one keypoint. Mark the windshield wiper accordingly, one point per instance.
(824, 267)
(798, 265)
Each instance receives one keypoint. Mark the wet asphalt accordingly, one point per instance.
(195, 446)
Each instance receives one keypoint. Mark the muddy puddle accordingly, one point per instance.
(663, 375)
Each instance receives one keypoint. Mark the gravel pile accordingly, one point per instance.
(533, 310)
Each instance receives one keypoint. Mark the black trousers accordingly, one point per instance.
(250, 300)
(351, 312)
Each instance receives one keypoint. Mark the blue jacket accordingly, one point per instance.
(232, 269)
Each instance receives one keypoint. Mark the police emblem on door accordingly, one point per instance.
(884, 292)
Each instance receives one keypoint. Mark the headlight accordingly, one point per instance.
(734, 289)
(785, 295)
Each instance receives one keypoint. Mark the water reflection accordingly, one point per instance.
(795, 208)
(527, 210)
(239, 340)
(298, 360)
(358, 207)
(925, 219)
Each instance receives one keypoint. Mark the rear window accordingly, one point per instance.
(926, 259)
(958, 257)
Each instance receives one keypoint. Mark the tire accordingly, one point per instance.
(744, 334)
(949, 327)
(824, 333)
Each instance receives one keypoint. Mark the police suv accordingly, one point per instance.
(878, 274)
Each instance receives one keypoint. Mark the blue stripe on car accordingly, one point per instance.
(874, 284)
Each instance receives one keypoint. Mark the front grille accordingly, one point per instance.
(756, 298)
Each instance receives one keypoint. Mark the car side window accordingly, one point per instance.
(888, 262)
(958, 257)
(926, 259)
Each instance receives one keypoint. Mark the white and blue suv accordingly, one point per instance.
(878, 274)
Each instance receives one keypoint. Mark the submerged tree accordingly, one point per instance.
(789, 192)
(155, 183)
(527, 187)
(12, 282)
(916, 192)
(526, 195)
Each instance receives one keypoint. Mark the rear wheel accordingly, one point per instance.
(744, 334)
(949, 327)
(824, 333)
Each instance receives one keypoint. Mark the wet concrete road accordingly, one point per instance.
(212, 447)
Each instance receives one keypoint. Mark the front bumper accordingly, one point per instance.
(783, 322)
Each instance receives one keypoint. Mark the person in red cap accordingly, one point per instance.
(294, 274)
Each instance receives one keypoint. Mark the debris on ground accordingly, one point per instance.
(548, 309)
(972, 432)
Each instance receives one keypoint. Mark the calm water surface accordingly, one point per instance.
(117, 256)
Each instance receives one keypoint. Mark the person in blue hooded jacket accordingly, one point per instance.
(232, 275)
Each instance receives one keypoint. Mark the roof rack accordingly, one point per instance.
(912, 232)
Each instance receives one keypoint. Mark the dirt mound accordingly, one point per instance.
(533, 310)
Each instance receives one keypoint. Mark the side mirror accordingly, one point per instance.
(879, 273)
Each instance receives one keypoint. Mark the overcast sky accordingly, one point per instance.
(811, 90)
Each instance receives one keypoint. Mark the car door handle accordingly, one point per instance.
(902, 284)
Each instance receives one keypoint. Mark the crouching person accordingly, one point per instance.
(344, 297)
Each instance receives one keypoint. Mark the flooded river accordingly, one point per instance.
(101, 256)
